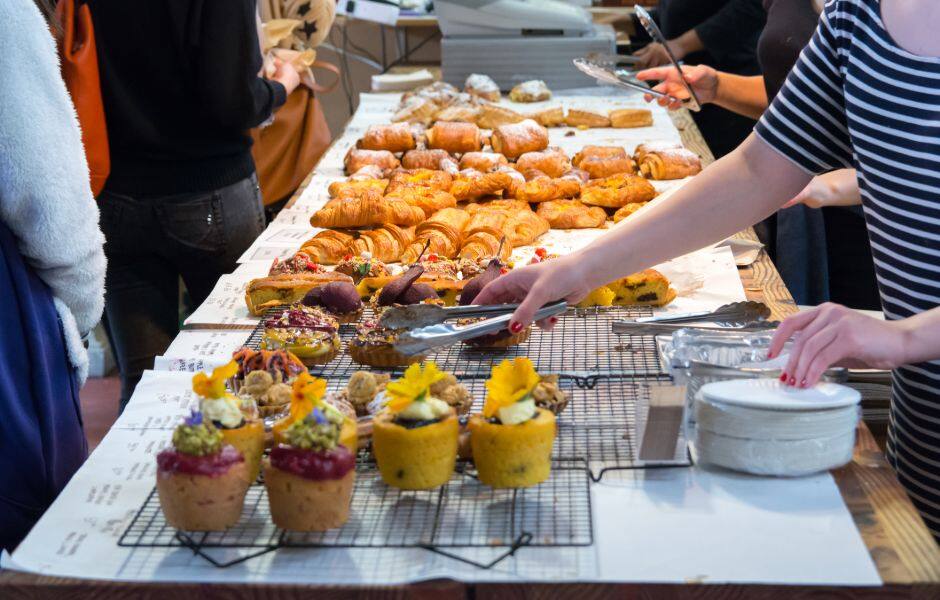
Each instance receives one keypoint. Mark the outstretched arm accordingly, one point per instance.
(737, 191)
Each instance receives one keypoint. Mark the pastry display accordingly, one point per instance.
(626, 210)
(353, 188)
(646, 288)
(665, 161)
(396, 137)
(307, 332)
(550, 117)
(617, 190)
(309, 475)
(516, 139)
(471, 184)
(357, 159)
(374, 346)
(414, 438)
(223, 411)
(512, 440)
(368, 210)
(441, 235)
(585, 119)
(278, 290)
(455, 137)
(298, 263)
(624, 118)
(201, 482)
(571, 214)
(384, 243)
(533, 90)
(439, 160)
(482, 86)
(552, 162)
(360, 266)
(482, 161)
(327, 247)
(339, 298)
(491, 116)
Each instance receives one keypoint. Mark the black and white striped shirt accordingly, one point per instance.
(857, 99)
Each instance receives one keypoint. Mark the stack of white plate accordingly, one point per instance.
(761, 426)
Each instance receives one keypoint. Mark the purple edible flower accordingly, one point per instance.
(194, 419)
(318, 416)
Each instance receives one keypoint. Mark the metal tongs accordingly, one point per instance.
(737, 316)
(432, 332)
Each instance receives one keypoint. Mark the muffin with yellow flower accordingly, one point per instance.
(201, 482)
(414, 438)
(310, 477)
(512, 440)
(308, 392)
(224, 411)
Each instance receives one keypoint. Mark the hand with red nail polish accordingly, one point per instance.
(515, 327)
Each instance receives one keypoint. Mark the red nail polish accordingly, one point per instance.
(791, 381)
(803, 383)
(553, 320)
(770, 354)
(515, 327)
(783, 377)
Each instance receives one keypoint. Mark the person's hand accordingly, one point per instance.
(836, 188)
(534, 286)
(703, 79)
(651, 55)
(833, 334)
(286, 75)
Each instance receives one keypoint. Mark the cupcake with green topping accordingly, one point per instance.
(414, 438)
(310, 476)
(201, 481)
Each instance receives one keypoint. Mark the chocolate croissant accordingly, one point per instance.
(454, 137)
(397, 137)
(514, 140)
(358, 158)
(438, 160)
(482, 161)
(660, 161)
(366, 211)
(552, 161)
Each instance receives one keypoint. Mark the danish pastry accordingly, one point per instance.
(467, 114)
(617, 190)
(454, 137)
(470, 184)
(552, 161)
(419, 178)
(623, 118)
(598, 152)
(598, 167)
(544, 188)
(516, 139)
(649, 287)
(492, 116)
(397, 137)
(627, 210)
(416, 109)
(356, 187)
(571, 214)
(358, 158)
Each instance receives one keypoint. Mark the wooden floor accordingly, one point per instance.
(100, 398)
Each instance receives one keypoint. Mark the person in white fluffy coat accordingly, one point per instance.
(52, 271)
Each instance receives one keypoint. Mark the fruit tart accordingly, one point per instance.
(307, 332)
(310, 475)
(201, 482)
(298, 263)
(340, 299)
(414, 438)
(306, 394)
(224, 412)
(500, 339)
(512, 440)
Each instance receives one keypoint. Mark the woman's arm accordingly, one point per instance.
(735, 192)
(45, 196)
(737, 93)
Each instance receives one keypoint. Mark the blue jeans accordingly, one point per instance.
(152, 242)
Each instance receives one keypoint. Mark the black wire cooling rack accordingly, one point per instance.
(581, 346)
(463, 513)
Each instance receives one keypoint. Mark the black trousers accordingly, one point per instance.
(151, 243)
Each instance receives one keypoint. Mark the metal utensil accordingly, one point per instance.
(634, 328)
(734, 314)
(697, 368)
(424, 339)
(653, 30)
(421, 315)
(618, 77)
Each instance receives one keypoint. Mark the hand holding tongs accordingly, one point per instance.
(418, 341)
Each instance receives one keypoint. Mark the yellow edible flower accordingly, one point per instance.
(306, 394)
(213, 386)
(509, 383)
(414, 385)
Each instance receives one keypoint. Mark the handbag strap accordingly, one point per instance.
(325, 89)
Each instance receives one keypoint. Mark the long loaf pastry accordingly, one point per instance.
(397, 137)
(454, 137)
(365, 211)
(516, 139)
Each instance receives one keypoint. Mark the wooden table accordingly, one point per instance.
(906, 555)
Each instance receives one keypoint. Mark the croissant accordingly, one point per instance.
(416, 109)
(585, 119)
(550, 117)
(397, 137)
(516, 139)
(427, 199)
(492, 116)
(668, 163)
(442, 233)
(617, 190)
(524, 227)
(630, 117)
(543, 189)
(486, 243)
(438, 160)
(327, 247)
(482, 161)
(357, 158)
(385, 243)
(356, 187)
(553, 162)
(365, 211)
(470, 184)
(454, 137)
(414, 178)
(571, 214)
